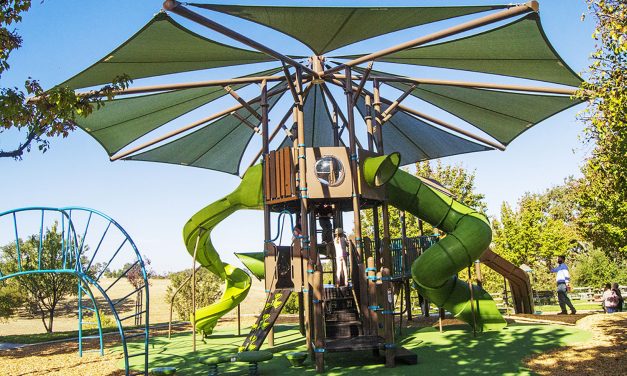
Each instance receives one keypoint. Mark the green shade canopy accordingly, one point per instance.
(518, 49)
(325, 29)
(218, 146)
(317, 121)
(162, 47)
(122, 121)
(417, 140)
(503, 115)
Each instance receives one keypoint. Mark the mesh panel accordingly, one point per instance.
(417, 140)
(317, 121)
(122, 121)
(218, 146)
(518, 49)
(162, 47)
(325, 29)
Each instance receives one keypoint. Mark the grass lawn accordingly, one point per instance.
(453, 352)
(46, 337)
(582, 305)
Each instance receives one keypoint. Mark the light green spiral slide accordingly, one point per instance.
(197, 233)
(468, 236)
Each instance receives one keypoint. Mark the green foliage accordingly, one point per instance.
(11, 298)
(208, 290)
(603, 197)
(595, 269)
(459, 181)
(45, 290)
(542, 227)
(38, 114)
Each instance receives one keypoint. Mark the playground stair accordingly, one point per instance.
(260, 330)
(341, 316)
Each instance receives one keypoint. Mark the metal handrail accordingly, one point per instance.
(174, 296)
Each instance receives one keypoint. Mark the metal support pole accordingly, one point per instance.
(194, 291)
(472, 304)
(318, 321)
(239, 320)
(406, 267)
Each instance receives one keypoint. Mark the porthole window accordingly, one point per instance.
(329, 171)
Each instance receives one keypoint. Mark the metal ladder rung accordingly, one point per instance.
(133, 315)
(91, 351)
(91, 337)
(89, 309)
(89, 323)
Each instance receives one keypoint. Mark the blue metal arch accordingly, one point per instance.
(72, 252)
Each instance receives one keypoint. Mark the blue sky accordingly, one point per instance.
(153, 201)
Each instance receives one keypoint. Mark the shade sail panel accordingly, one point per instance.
(121, 121)
(218, 146)
(162, 47)
(325, 29)
(417, 140)
(317, 121)
(503, 115)
(518, 49)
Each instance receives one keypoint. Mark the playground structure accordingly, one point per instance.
(90, 244)
(322, 163)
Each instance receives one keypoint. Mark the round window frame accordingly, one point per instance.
(342, 170)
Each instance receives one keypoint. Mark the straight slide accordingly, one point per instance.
(197, 236)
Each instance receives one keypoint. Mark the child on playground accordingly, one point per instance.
(621, 301)
(609, 299)
(341, 254)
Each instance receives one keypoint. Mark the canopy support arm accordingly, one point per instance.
(176, 7)
(189, 85)
(531, 6)
(192, 126)
(364, 78)
(387, 114)
(247, 106)
(279, 126)
(468, 84)
(290, 84)
(246, 122)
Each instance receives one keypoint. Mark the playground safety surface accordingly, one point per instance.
(454, 350)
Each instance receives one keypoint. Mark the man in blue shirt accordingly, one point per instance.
(562, 277)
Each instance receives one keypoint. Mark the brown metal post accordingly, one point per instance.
(239, 320)
(406, 281)
(478, 273)
(472, 304)
(372, 297)
(318, 320)
(194, 291)
(350, 114)
(388, 320)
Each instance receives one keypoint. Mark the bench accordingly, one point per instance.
(250, 357)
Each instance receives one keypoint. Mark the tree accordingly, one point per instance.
(595, 269)
(37, 114)
(208, 290)
(11, 298)
(603, 197)
(459, 181)
(542, 227)
(44, 290)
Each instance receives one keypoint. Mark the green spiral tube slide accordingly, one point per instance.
(197, 231)
(468, 236)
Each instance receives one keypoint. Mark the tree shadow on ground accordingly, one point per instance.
(606, 356)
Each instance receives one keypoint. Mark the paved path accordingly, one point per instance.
(7, 346)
